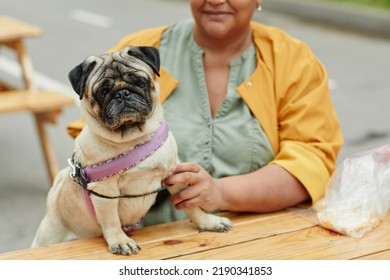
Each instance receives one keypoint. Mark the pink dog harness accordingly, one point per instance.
(117, 165)
(120, 163)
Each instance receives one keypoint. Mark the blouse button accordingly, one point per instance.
(249, 84)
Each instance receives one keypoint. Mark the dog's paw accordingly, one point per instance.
(128, 247)
(215, 223)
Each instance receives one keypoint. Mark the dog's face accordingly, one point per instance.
(119, 89)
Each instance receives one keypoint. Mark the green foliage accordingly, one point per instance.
(374, 3)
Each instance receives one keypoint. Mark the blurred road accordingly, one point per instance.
(358, 66)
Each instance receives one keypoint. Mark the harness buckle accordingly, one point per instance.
(77, 173)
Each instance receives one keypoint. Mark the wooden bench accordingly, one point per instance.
(45, 105)
(273, 236)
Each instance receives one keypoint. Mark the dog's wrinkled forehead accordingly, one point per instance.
(130, 57)
(134, 57)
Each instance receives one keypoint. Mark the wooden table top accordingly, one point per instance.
(274, 236)
(12, 29)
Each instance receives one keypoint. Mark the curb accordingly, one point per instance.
(369, 20)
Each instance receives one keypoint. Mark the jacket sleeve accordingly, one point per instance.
(309, 133)
(148, 37)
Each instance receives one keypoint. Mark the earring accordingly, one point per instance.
(259, 7)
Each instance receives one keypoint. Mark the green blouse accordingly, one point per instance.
(230, 143)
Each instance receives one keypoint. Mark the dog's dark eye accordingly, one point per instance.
(140, 83)
(103, 89)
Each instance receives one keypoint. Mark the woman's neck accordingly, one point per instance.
(231, 46)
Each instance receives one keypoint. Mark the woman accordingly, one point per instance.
(250, 110)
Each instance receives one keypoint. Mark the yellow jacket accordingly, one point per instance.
(287, 93)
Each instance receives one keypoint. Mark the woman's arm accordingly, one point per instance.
(270, 188)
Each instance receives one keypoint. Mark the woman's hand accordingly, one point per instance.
(270, 188)
(203, 190)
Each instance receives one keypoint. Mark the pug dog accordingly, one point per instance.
(121, 156)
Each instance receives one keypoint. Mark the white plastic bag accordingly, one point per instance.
(358, 194)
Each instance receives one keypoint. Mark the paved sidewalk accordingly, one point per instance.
(369, 20)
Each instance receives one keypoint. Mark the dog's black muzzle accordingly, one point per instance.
(123, 95)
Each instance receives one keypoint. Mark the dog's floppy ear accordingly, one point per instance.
(149, 55)
(78, 76)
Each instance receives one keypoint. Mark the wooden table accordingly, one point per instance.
(275, 236)
(45, 105)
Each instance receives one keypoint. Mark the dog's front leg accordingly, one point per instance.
(204, 221)
(108, 217)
